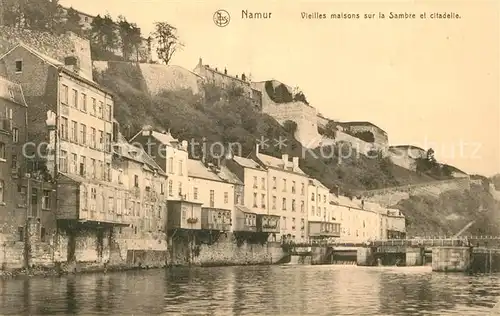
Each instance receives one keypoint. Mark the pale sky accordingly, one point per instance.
(429, 83)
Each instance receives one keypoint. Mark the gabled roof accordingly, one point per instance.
(196, 169)
(317, 183)
(12, 91)
(51, 61)
(226, 175)
(277, 163)
(247, 163)
(131, 152)
(166, 139)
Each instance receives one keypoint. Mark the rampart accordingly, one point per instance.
(391, 196)
(159, 77)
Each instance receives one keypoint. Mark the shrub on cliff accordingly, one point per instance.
(447, 214)
(227, 116)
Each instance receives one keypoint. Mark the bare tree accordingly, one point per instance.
(167, 41)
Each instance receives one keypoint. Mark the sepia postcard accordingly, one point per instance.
(330, 157)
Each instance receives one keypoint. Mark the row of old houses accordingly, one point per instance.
(65, 165)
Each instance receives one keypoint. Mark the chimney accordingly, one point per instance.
(243, 77)
(200, 62)
(295, 161)
(284, 157)
(236, 76)
(225, 71)
(256, 149)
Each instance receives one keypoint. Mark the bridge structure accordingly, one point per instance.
(428, 242)
(444, 253)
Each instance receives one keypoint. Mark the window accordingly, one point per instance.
(63, 161)
(74, 161)
(195, 193)
(99, 110)
(136, 181)
(108, 142)
(226, 197)
(111, 204)
(312, 210)
(108, 112)
(170, 188)
(283, 204)
(293, 223)
(92, 168)
(94, 107)
(162, 189)
(84, 102)
(15, 135)
(83, 134)
(263, 183)
(255, 199)
(101, 139)
(108, 172)
(74, 131)
(99, 170)
(312, 196)
(2, 150)
(83, 163)
(64, 128)
(274, 203)
(42, 234)
(19, 66)
(255, 182)
(2, 191)
(22, 191)
(274, 183)
(20, 230)
(302, 188)
(293, 205)
(293, 187)
(46, 200)
(302, 206)
(212, 198)
(92, 137)
(93, 194)
(171, 165)
(64, 94)
(34, 202)
(180, 167)
(180, 188)
(284, 185)
(263, 200)
(284, 222)
(74, 98)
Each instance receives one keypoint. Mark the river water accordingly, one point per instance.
(260, 290)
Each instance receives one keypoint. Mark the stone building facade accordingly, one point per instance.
(222, 79)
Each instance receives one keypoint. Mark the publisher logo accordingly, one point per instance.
(221, 18)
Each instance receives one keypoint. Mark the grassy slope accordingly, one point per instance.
(449, 213)
(191, 117)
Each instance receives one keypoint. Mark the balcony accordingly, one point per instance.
(95, 218)
(246, 220)
(324, 229)
(268, 223)
(215, 219)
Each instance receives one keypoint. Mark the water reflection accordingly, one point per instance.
(264, 290)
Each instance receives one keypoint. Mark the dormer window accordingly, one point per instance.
(19, 66)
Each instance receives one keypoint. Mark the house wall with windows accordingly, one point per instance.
(287, 189)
